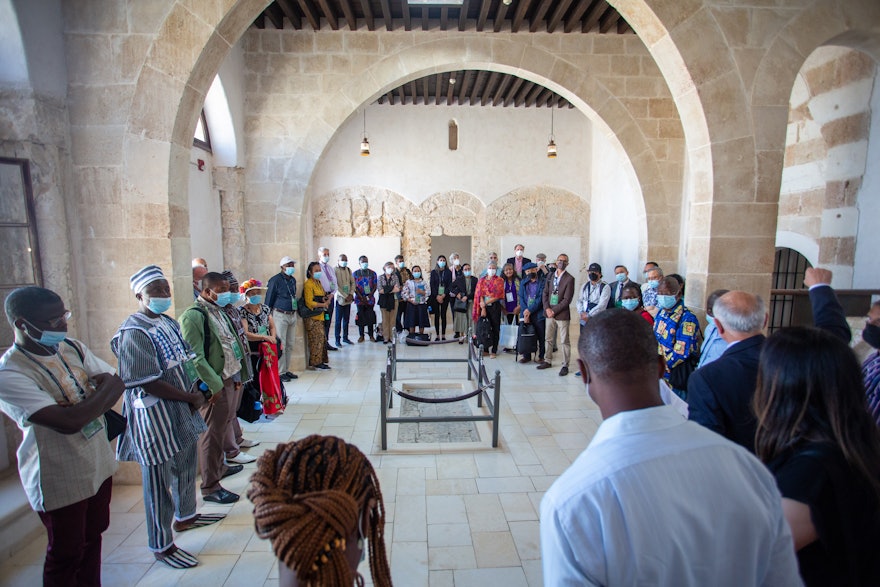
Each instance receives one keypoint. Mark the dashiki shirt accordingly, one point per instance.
(677, 332)
(151, 349)
(365, 283)
(871, 375)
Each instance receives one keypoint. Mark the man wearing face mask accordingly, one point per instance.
(328, 282)
(344, 298)
(558, 293)
(621, 280)
(677, 330)
(219, 357)
(594, 294)
(871, 366)
(403, 275)
(531, 296)
(281, 299)
(57, 392)
(365, 284)
(518, 260)
(161, 403)
(714, 345)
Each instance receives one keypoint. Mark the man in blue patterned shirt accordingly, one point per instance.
(676, 328)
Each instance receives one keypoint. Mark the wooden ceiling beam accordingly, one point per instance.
(348, 11)
(533, 95)
(519, 15)
(462, 15)
(576, 15)
(514, 87)
(390, 96)
(309, 11)
(368, 15)
(490, 88)
(543, 97)
(424, 18)
(290, 13)
(520, 98)
(557, 15)
(425, 93)
(273, 13)
(407, 20)
(498, 98)
(401, 93)
(451, 87)
(386, 15)
(593, 15)
(622, 26)
(465, 83)
(499, 17)
(608, 20)
(479, 86)
(543, 7)
(413, 91)
(260, 21)
(438, 88)
(444, 18)
(484, 13)
(329, 14)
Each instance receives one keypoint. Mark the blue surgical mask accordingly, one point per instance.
(417, 274)
(317, 274)
(365, 265)
(343, 263)
(620, 277)
(665, 302)
(467, 272)
(49, 338)
(441, 264)
(159, 305)
(630, 304)
(255, 300)
(653, 283)
(710, 319)
(226, 298)
(289, 270)
(401, 265)
(325, 259)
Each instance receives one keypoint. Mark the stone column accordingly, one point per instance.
(229, 181)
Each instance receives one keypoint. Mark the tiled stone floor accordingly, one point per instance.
(460, 514)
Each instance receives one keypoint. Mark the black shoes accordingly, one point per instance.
(563, 372)
(288, 376)
(222, 496)
(330, 347)
(543, 365)
(232, 470)
(323, 366)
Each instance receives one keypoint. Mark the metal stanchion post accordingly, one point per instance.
(497, 409)
(383, 415)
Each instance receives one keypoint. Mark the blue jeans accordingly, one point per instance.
(342, 315)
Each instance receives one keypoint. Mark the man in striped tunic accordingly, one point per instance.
(161, 404)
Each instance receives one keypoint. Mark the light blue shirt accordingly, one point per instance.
(713, 346)
(658, 500)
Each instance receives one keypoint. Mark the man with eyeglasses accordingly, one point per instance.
(57, 392)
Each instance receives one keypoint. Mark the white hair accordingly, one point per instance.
(322, 249)
(738, 318)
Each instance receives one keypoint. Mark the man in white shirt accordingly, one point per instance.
(655, 499)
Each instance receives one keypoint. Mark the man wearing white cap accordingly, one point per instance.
(281, 299)
(161, 402)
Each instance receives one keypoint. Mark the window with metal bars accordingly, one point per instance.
(788, 273)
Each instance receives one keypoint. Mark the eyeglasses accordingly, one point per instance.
(61, 320)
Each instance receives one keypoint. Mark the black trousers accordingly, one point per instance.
(328, 322)
(440, 310)
(493, 313)
(540, 335)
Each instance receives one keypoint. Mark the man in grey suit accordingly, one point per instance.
(558, 293)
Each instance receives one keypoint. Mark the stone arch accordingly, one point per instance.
(361, 211)
(583, 90)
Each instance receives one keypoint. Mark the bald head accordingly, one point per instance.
(740, 314)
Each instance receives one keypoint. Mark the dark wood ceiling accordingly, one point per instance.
(474, 88)
(552, 16)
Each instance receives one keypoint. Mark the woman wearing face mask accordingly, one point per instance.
(365, 283)
(314, 297)
(463, 289)
(441, 280)
(490, 293)
(871, 366)
(389, 287)
(260, 332)
(631, 299)
(415, 293)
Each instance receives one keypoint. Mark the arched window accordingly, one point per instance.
(789, 268)
(202, 139)
(453, 135)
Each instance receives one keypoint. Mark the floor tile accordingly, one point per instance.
(495, 549)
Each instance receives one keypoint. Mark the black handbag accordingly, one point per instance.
(386, 301)
(459, 305)
(304, 311)
(679, 375)
(116, 424)
(527, 340)
(484, 332)
(250, 409)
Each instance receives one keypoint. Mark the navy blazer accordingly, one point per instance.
(618, 287)
(720, 394)
(440, 277)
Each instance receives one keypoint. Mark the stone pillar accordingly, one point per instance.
(229, 182)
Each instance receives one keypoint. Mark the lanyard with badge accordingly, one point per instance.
(93, 427)
(292, 295)
(554, 297)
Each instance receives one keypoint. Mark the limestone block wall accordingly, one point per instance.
(365, 211)
(825, 155)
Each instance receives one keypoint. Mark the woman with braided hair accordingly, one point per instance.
(318, 500)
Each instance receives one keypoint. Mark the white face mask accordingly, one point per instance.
(491, 272)
(389, 271)
(519, 253)
(456, 262)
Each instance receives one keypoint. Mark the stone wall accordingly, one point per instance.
(825, 155)
(365, 211)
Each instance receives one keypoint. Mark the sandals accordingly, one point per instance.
(176, 558)
(199, 521)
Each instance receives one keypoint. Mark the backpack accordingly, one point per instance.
(484, 333)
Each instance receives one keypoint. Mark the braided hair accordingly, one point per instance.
(308, 498)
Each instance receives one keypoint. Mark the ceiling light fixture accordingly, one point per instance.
(365, 144)
(507, 2)
(551, 146)
(452, 81)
